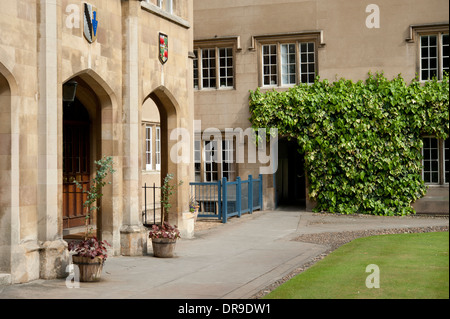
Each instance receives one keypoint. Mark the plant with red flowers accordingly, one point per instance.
(164, 231)
(90, 247)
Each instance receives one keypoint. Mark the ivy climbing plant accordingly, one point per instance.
(361, 140)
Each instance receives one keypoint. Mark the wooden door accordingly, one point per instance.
(76, 166)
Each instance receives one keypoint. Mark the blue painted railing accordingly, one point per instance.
(224, 199)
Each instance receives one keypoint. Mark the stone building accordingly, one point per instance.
(242, 45)
(80, 80)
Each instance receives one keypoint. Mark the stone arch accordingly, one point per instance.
(101, 103)
(9, 174)
(169, 120)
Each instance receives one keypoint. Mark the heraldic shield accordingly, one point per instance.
(163, 48)
(90, 22)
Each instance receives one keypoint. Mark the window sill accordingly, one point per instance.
(163, 14)
(152, 172)
(215, 90)
(437, 185)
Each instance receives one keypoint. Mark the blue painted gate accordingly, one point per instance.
(224, 199)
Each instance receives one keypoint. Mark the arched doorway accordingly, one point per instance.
(5, 174)
(290, 176)
(168, 110)
(87, 136)
(76, 162)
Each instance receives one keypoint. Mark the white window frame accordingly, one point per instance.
(197, 159)
(148, 147)
(166, 5)
(287, 76)
(225, 57)
(212, 159)
(446, 157)
(208, 68)
(196, 74)
(220, 75)
(441, 160)
(228, 158)
(439, 56)
(303, 59)
(158, 148)
(269, 68)
(307, 59)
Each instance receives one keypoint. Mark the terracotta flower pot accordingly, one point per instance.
(90, 268)
(163, 247)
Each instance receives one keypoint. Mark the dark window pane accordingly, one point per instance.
(434, 177)
(433, 74)
(433, 52)
(424, 40)
(424, 52)
(424, 75)
(432, 40)
(273, 59)
(273, 49)
(445, 39)
(434, 142)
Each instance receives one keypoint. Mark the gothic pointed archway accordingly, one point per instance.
(87, 136)
(9, 172)
(5, 173)
(169, 120)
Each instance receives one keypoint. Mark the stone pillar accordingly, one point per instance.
(133, 233)
(53, 254)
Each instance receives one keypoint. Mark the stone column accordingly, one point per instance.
(53, 254)
(133, 233)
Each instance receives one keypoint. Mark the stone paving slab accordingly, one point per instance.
(232, 261)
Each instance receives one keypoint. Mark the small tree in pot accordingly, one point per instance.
(90, 253)
(164, 236)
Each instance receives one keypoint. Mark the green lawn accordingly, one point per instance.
(410, 265)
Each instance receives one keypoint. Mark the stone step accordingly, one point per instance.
(5, 279)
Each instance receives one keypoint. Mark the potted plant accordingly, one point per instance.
(90, 253)
(164, 236)
(194, 207)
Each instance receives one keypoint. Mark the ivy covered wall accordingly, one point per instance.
(361, 141)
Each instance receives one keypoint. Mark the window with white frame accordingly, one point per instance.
(166, 5)
(228, 167)
(197, 160)
(218, 160)
(148, 147)
(288, 63)
(196, 76)
(307, 62)
(152, 147)
(226, 73)
(269, 53)
(208, 73)
(213, 68)
(435, 161)
(158, 148)
(211, 169)
(434, 55)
